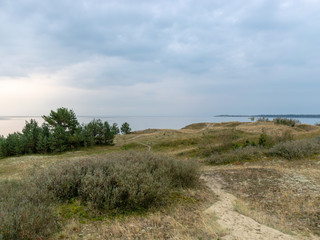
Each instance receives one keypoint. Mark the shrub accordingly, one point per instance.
(263, 119)
(248, 143)
(119, 182)
(296, 149)
(263, 140)
(25, 212)
(268, 141)
(236, 155)
(128, 181)
(286, 121)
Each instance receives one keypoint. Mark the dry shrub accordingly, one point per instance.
(296, 149)
(218, 141)
(122, 182)
(236, 155)
(183, 221)
(286, 121)
(25, 212)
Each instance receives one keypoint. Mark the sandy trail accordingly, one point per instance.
(240, 227)
(149, 147)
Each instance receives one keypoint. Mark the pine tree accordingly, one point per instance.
(125, 128)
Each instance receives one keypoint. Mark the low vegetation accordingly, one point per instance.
(103, 185)
(237, 155)
(26, 211)
(290, 150)
(286, 121)
(122, 191)
(296, 149)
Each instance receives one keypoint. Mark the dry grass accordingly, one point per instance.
(262, 217)
(197, 126)
(93, 189)
(15, 167)
(283, 195)
(276, 192)
(200, 140)
(184, 220)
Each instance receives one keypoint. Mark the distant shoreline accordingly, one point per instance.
(275, 115)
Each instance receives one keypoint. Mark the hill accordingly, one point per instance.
(240, 163)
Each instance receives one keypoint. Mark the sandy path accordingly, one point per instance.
(149, 147)
(146, 145)
(240, 227)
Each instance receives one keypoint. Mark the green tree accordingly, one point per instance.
(3, 148)
(115, 129)
(43, 143)
(65, 130)
(125, 128)
(108, 133)
(95, 127)
(14, 146)
(88, 138)
(31, 134)
(59, 140)
(64, 118)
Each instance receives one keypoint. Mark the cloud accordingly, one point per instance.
(198, 53)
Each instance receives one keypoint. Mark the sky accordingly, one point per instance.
(159, 58)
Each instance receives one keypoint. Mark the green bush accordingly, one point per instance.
(296, 149)
(25, 212)
(128, 181)
(236, 155)
(268, 141)
(264, 140)
(286, 121)
(263, 119)
(123, 182)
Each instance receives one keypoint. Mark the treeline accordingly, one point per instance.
(274, 116)
(60, 132)
(282, 121)
(285, 121)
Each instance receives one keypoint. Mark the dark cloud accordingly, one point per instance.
(210, 47)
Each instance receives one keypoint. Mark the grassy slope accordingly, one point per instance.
(272, 198)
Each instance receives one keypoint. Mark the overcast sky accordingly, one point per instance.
(177, 58)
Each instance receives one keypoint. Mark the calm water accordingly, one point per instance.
(13, 124)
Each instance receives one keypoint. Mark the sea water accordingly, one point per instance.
(16, 123)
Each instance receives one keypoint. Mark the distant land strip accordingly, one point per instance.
(275, 116)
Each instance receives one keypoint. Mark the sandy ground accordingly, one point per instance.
(240, 227)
